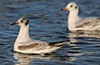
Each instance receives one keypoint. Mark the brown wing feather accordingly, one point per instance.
(28, 46)
(83, 25)
(89, 22)
(58, 43)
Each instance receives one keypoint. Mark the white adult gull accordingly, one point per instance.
(75, 22)
(24, 44)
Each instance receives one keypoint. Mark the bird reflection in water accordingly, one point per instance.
(81, 37)
(83, 41)
(25, 59)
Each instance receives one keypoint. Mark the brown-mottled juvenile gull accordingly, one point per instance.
(24, 44)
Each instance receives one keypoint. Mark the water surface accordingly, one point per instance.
(48, 23)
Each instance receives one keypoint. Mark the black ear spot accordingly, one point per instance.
(76, 7)
(27, 22)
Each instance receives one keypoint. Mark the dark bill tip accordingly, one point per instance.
(64, 9)
(61, 9)
(13, 23)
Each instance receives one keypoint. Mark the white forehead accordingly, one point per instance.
(72, 3)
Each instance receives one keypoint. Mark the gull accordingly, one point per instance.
(24, 44)
(76, 23)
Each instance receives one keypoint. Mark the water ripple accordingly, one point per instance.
(48, 23)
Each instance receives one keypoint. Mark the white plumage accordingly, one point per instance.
(24, 44)
(77, 23)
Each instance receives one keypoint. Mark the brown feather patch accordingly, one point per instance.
(83, 25)
(98, 19)
(28, 47)
(23, 18)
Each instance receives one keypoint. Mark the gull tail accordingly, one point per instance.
(61, 43)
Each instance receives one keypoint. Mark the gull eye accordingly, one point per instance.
(71, 6)
(76, 7)
(21, 21)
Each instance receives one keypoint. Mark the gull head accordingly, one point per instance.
(21, 22)
(72, 6)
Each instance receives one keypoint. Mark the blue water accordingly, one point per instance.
(48, 23)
